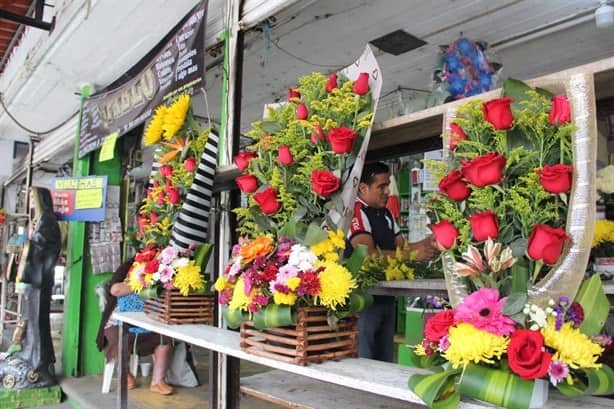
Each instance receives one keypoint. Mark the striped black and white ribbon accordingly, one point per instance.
(192, 224)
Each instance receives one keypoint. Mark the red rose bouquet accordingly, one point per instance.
(293, 174)
(500, 219)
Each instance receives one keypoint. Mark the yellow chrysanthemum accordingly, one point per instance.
(323, 247)
(175, 116)
(287, 299)
(571, 346)
(336, 284)
(333, 257)
(419, 350)
(240, 301)
(293, 283)
(337, 238)
(604, 232)
(221, 284)
(154, 130)
(469, 344)
(188, 278)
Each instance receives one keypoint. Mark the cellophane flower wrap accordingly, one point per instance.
(293, 175)
(499, 238)
(180, 143)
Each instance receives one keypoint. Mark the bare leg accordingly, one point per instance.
(162, 357)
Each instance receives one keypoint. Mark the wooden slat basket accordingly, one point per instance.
(311, 339)
(173, 308)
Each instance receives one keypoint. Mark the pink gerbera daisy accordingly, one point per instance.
(484, 310)
(558, 371)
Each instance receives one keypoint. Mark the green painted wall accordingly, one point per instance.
(92, 360)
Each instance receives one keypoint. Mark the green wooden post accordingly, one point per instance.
(76, 260)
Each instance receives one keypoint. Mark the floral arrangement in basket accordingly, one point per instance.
(293, 176)
(181, 143)
(499, 219)
(155, 269)
(159, 266)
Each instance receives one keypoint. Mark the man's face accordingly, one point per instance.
(376, 194)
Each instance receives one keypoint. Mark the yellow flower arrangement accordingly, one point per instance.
(604, 232)
(471, 345)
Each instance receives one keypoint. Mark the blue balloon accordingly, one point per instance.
(457, 86)
(465, 47)
(452, 63)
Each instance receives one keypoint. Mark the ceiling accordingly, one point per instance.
(10, 32)
(97, 41)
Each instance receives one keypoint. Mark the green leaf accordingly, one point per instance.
(274, 315)
(261, 220)
(149, 293)
(429, 387)
(516, 89)
(271, 127)
(354, 262)
(600, 380)
(314, 235)
(514, 303)
(595, 303)
(233, 318)
(202, 252)
(501, 388)
(288, 230)
(359, 300)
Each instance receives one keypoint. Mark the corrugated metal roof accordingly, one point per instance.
(11, 32)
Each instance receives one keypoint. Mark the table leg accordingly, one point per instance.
(233, 382)
(123, 356)
(213, 378)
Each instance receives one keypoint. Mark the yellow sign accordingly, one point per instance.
(88, 199)
(107, 151)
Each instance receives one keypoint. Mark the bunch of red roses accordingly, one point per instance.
(303, 152)
(509, 178)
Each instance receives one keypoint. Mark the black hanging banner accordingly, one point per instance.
(176, 65)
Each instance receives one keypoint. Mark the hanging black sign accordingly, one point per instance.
(175, 65)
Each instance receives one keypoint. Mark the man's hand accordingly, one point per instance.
(424, 249)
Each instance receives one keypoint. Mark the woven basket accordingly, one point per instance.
(173, 308)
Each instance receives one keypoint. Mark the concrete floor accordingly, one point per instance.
(84, 392)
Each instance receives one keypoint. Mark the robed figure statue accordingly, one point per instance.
(29, 361)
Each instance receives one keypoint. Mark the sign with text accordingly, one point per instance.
(80, 199)
(176, 65)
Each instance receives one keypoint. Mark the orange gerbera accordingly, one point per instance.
(259, 247)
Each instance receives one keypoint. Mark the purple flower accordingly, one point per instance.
(224, 296)
(602, 339)
(558, 371)
(444, 343)
(434, 301)
(283, 275)
(284, 245)
(235, 268)
(575, 314)
(235, 250)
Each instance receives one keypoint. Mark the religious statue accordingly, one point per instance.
(29, 361)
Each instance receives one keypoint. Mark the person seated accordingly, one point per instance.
(122, 298)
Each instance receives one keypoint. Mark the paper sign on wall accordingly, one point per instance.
(80, 199)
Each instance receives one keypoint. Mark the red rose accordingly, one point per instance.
(484, 170)
(445, 233)
(284, 156)
(499, 112)
(166, 171)
(146, 254)
(149, 192)
(153, 218)
(156, 183)
(484, 225)
(243, 158)
(546, 243)
(168, 186)
(324, 183)
(453, 186)
(292, 93)
(361, 85)
(331, 83)
(317, 134)
(247, 183)
(526, 355)
(560, 112)
(438, 326)
(173, 196)
(456, 135)
(341, 139)
(160, 199)
(301, 111)
(190, 164)
(152, 266)
(267, 200)
(556, 178)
